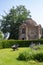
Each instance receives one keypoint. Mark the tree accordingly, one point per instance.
(12, 20)
(1, 35)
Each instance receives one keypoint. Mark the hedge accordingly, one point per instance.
(22, 43)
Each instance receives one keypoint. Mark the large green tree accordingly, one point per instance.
(12, 20)
(1, 35)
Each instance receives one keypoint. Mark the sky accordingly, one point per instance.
(35, 7)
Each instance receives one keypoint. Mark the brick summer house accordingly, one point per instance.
(30, 30)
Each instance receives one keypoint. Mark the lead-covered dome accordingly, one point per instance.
(30, 21)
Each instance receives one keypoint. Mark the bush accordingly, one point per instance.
(39, 56)
(21, 43)
(31, 56)
(1, 46)
(8, 43)
(26, 56)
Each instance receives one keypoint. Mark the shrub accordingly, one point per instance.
(26, 56)
(31, 56)
(1, 45)
(8, 43)
(39, 56)
(22, 43)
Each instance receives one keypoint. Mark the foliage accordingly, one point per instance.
(39, 56)
(12, 20)
(26, 55)
(1, 35)
(22, 43)
(31, 55)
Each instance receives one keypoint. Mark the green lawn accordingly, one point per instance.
(9, 57)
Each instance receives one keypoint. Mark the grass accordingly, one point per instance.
(9, 57)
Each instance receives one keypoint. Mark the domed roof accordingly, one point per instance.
(30, 21)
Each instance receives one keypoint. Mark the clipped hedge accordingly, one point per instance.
(22, 43)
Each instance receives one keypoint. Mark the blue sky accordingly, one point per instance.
(35, 7)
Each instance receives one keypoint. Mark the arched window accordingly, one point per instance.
(23, 31)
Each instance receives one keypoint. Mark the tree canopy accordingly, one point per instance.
(1, 35)
(12, 20)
